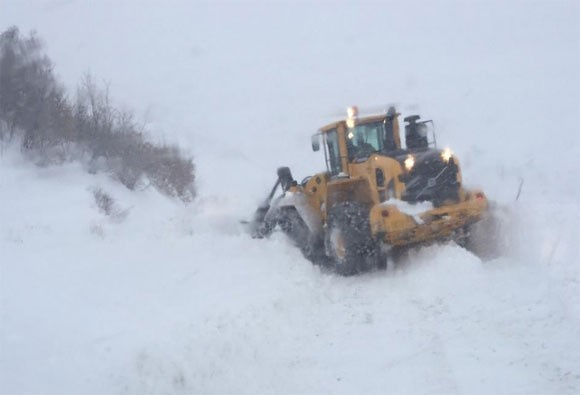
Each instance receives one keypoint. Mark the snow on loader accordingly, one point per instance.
(374, 197)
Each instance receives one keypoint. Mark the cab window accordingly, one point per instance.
(333, 152)
(364, 139)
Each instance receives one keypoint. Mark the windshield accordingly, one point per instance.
(364, 139)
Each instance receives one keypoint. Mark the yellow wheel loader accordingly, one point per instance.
(374, 196)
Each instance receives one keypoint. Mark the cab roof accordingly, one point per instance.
(359, 120)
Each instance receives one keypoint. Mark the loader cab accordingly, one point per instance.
(355, 139)
(372, 134)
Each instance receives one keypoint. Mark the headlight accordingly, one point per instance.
(446, 154)
(409, 162)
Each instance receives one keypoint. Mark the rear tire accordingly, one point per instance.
(349, 243)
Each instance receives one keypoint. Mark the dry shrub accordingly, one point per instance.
(35, 109)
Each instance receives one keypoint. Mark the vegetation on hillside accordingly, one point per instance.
(52, 128)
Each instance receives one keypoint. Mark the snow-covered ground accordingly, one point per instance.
(169, 299)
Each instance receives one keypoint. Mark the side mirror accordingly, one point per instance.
(316, 142)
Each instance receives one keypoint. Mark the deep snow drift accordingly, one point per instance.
(172, 299)
(177, 299)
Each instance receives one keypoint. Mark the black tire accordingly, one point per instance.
(348, 241)
(295, 228)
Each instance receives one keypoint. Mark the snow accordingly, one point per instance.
(177, 299)
(414, 210)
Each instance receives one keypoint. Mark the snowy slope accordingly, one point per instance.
(178, 299)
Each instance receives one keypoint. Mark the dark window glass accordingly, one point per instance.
(364, 139)
(333, 152)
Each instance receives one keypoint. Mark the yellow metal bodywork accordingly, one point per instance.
(358, 182)
(399, 229)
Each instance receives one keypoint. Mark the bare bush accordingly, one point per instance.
(114, 135)
(108, 206)
(31, 100)
(34, 106)
(104, 201)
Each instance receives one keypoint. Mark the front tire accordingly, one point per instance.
(349, 243)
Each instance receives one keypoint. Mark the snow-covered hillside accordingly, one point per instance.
(164, 298)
